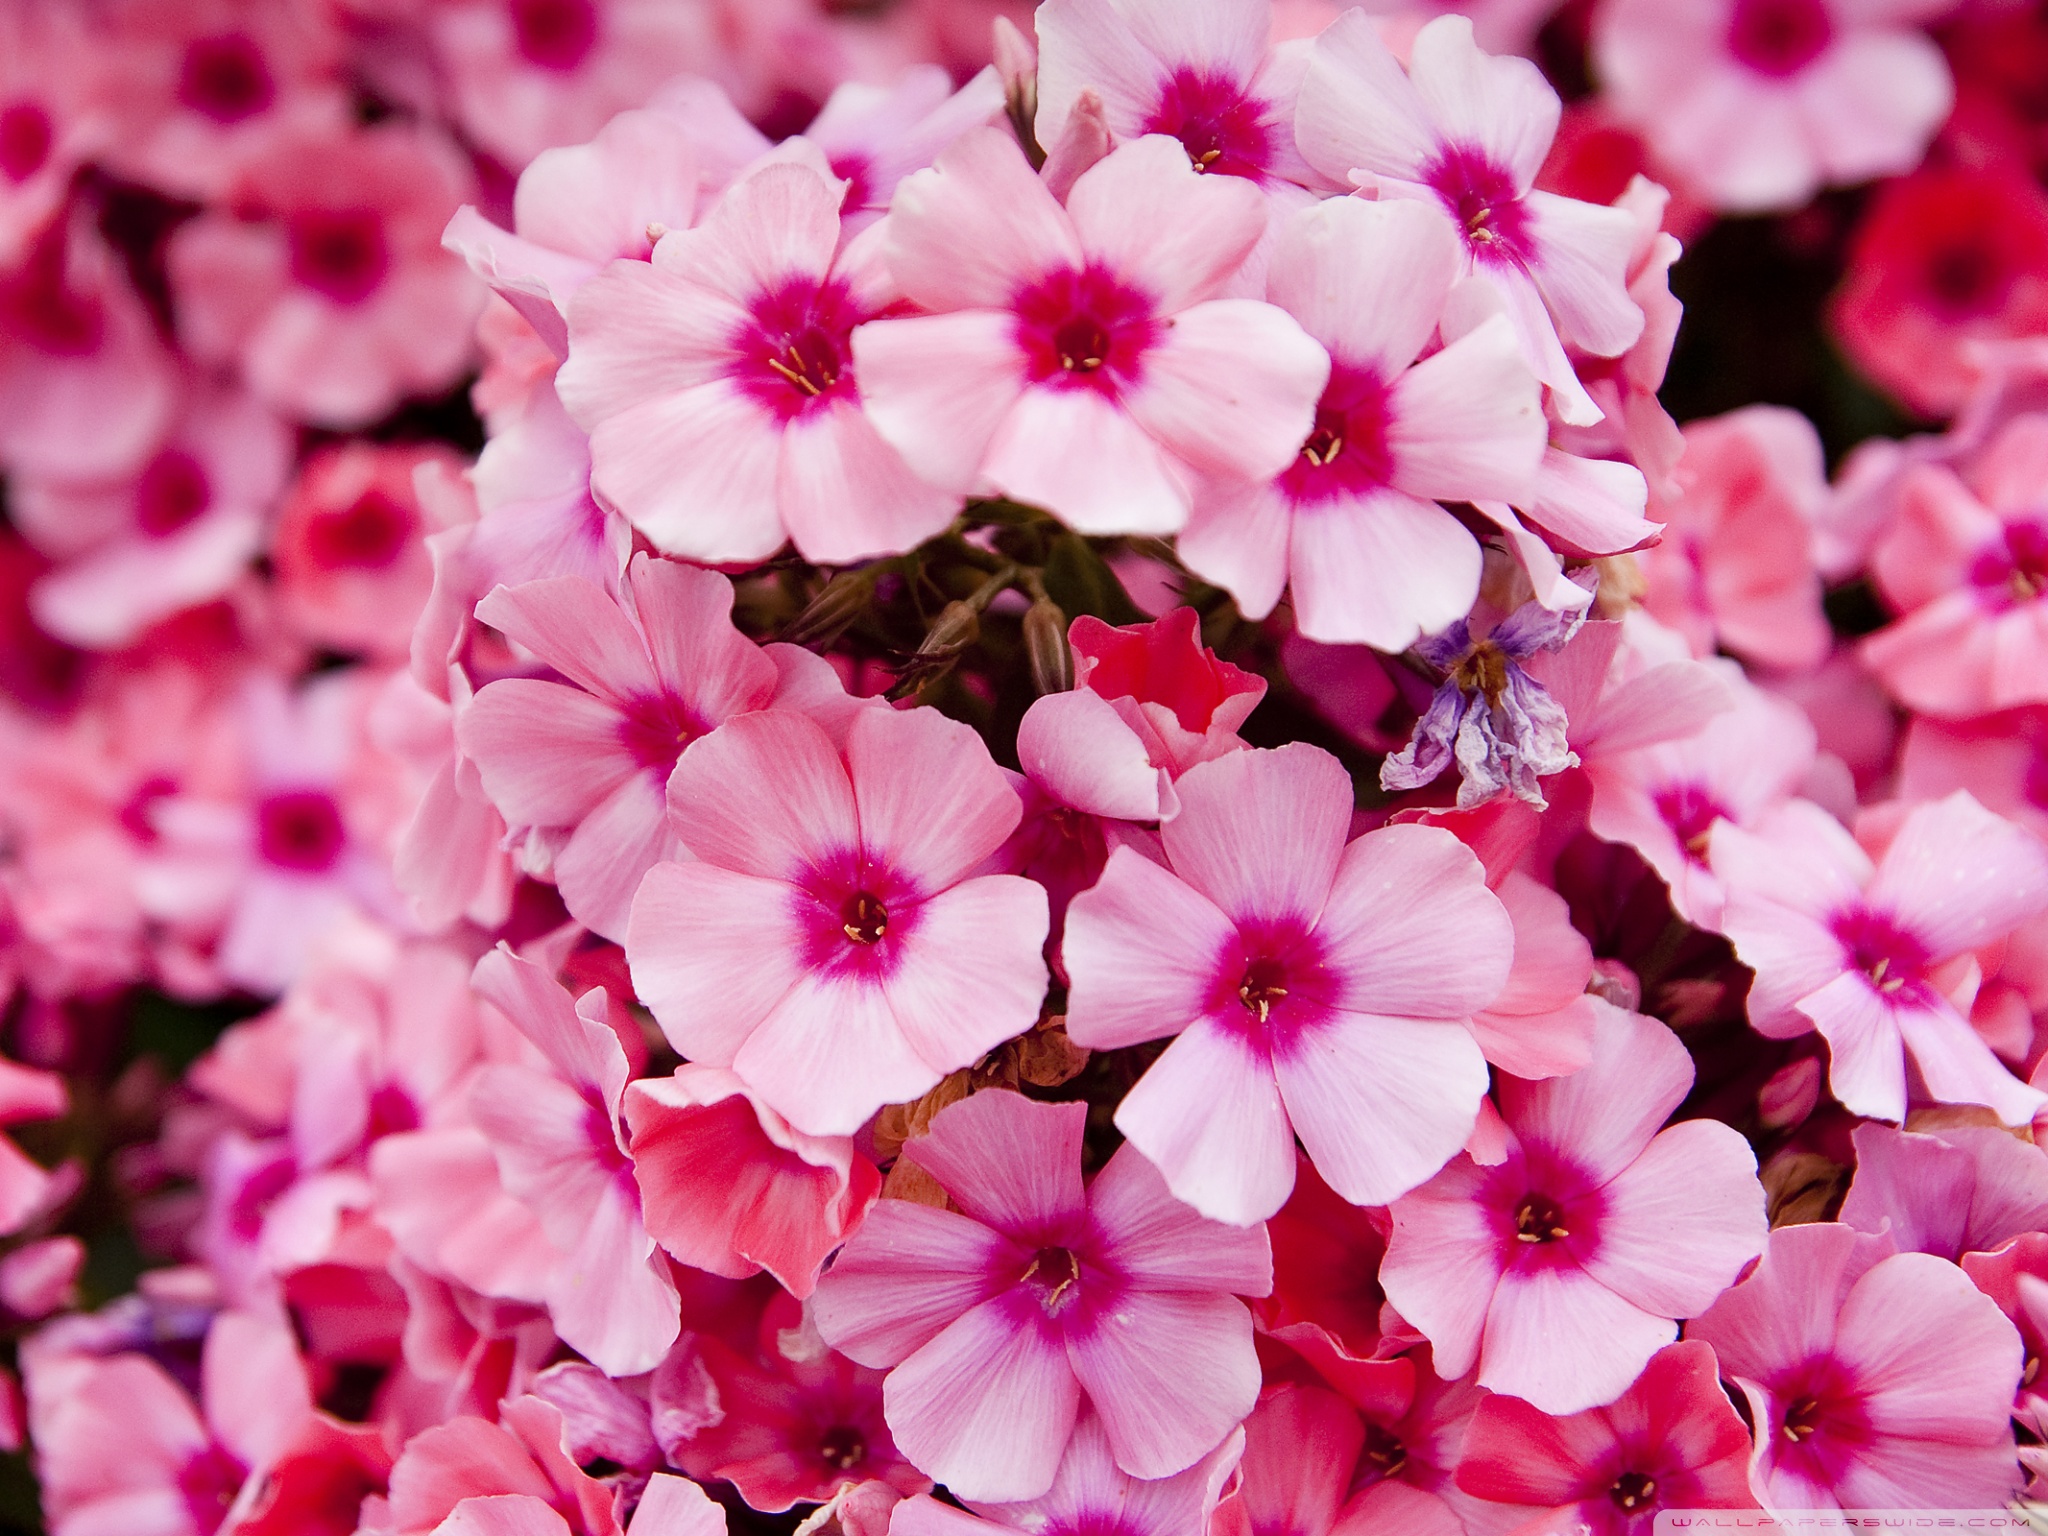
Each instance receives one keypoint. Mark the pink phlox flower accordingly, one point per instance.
(604, 1418)
(562, 1150)
(1857, 950)
(1353, 524)
(1318, 986)
(1735, 568)
(328, 290)
(1757, 104)
(1964, 563)
(1090, 1494)
(719, 386)
(1873, 1378)
(588, 758)
(1490, 717)
(122, 1445)
(800, 1421)
(206, 84)
(523, 76)
(1208, 76)
(833, 943)
(1467, 132)
(1404, 1478)
(171, 534)
(999, 1321)
(1664, 800)
(1560, 1271)
(2016, 1277)
(574, 210)
(56, 113)
(1672, 1441)
(1300, 1446)
(87, 389)
(1965, 1189)
(305, 842)
(1071, 362)
(727, 1185)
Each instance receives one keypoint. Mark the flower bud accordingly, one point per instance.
(836, 606)
(1045, 646)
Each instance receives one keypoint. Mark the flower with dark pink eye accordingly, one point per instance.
(26, 138)
(1225, 130)
(1690, 811)
(300, 830)
(226, 78)
(2015, 569)
(339, 252)
(554, 34)
(794, 352)
(1779, 37)
(1894, 961)
(1483, 201)
(1347, 453)
(170, 493)
(1085, 329)
(367, 534)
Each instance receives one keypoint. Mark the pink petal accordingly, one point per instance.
(639, 334)
(906, 1274)
(1209, 1116)
(1563, 1341)
(1146, 214)
(1169, 1372)
(1958, 1067)
(1582, 271)
(1078, 748)
(1140, 948)
(830, 1054)
(1260, 833)
(611, 1297)
(1008, 1162)
(1237, 537)
(1601, 1118)
(1358, 109)
(1380, 1103)
(686, 614)
(969, 232)
(1366, 279)
(987, 1407)
(1410, 927)
(1443, 1262)
(695, 472)
(1910, 1310)
(933, 804)
(1467, 421)
(1680, 1222)
(548, 755)
(258, 1396)
(1541, 1024)
(1253, 426)
(1959, 877)
(1594, 506)
(765, 794)
(712, 954)
(675, 1506)
(502, 1514)
(600, 869)
(1088, 461)
(1155, 1242)
(583, 1049)
(1500, 105)
(926, 1516)
(778, 223)
(1866, 1065)
(1785, 1310)
(540, 1132)
(1380, 569)
(1300, 1445)
(939, 387)
(973, 973)
(575, 627)
(846, 495)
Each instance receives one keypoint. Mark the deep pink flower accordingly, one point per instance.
(1965, 563)
(1205, 74)
(1352, 523)
(727, 1185)
(1316, 988)
(1073, 354)
(1856, 950)
(833, 946)
(1467, 132)
(1672, 1441)
(720, 392)
(1757, 104)
(1875, 1379)
(998, 1322)
(586, 761)
(173, 533)
(561, 1149)
(56, 113)
(332, 296)
(1560, 1270)
(1967, 1189)
(1090, 1494)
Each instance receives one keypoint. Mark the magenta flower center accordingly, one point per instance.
(1223, 129)
(842, 1448)
(1893, 960)
(1262, 988)
(225, 78)
(137, 817)
(1633, 1491)
(1271, 981)
(170, 492)
(1484, 202)
(1055, 1275)
(1690, 811)
(1346, 453)
(26, 135)
(1539, 1219)
(865, 919)
(795, 351)
(365, 535)
(339, 252)
(2015, 570)
(1085, 330)
(300, 830)
(209, 1483)
(1965, 276)
(656, 730)
(555, 34)
(1384, 1455)
(1779, 37)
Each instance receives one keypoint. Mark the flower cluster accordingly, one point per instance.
(891, 770)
